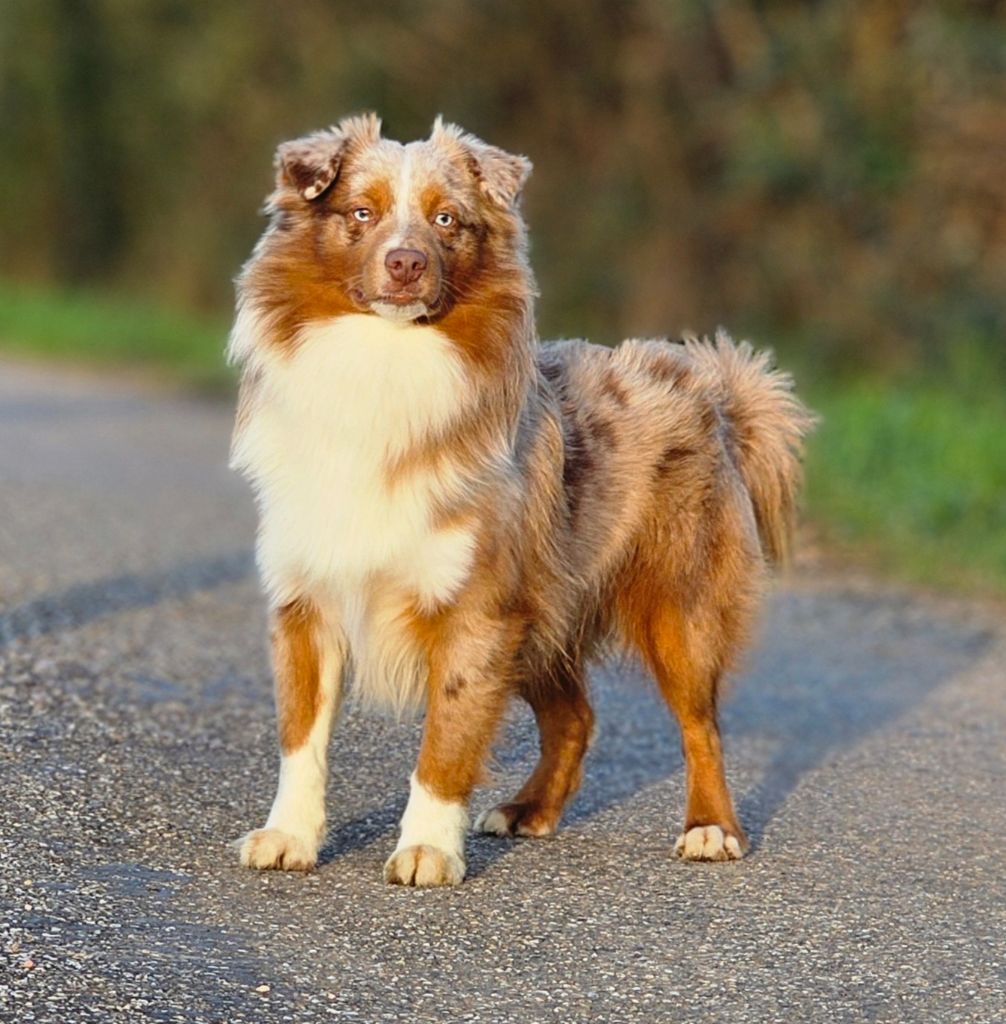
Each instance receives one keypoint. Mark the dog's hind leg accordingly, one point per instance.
(308, 664)
(688, 673)
(565, 724)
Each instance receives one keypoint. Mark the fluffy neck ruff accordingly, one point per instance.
(282, 296)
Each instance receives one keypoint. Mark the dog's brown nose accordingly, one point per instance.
(405, 265)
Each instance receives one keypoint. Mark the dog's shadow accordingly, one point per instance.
(376, 831)
(357, 834)
(830, 671)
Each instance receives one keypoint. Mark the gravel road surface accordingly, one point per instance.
(866, 744)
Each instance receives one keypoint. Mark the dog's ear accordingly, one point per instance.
(500, 175)
(311, 164)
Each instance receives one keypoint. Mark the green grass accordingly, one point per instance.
(907, 476)
(88, 328)
(911, 478)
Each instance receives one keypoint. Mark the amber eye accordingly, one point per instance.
(361, 213)
(443, 219)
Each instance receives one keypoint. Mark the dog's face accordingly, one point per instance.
(400, 231)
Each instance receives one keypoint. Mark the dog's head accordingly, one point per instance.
(401, 231)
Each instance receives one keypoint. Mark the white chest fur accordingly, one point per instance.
(326, 423)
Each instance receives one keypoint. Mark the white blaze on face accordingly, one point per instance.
(403, 199)
(400, 239)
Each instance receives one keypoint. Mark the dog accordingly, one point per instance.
(452, 514)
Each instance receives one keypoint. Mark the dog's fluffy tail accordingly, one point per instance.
(767, 424)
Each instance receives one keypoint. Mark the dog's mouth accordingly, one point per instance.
(400, 305)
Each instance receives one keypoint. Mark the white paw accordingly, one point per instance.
(494, 822)
(708, 842)
(272, 848)
(513, 820)
(424, 866)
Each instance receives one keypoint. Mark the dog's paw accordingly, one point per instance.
(424, 866)
(515, 820)
(272, 848)
(708, 842)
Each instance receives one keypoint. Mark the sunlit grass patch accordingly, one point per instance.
(913, 476)
(85, 327)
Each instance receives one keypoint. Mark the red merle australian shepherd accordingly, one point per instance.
(453, 514)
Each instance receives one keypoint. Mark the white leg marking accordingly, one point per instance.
(296, 825)
(431, 848)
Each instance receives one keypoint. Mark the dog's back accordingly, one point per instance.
(676, 457)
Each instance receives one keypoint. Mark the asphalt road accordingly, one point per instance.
(866, 743)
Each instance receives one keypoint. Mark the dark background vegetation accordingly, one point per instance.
(825, 177)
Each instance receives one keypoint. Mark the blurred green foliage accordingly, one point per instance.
(826, 176)
(910, 474)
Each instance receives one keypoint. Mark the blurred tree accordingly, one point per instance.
(88, 160)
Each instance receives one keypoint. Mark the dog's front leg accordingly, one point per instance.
(308, 662)
(466, 695)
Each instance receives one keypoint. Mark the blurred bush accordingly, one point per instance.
(830, 172)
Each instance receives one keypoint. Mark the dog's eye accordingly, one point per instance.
(361, 213)
(443, 220)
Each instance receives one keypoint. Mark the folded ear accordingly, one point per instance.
(311, 164)
(500, 175)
